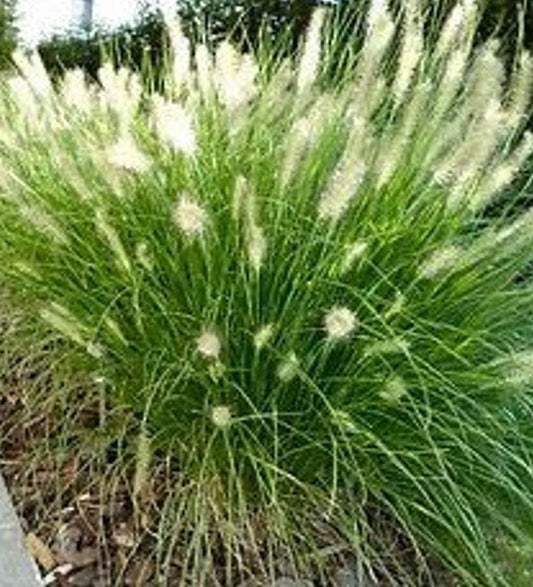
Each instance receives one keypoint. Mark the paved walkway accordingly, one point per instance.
(16, 567)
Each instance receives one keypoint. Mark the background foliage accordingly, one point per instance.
(211, 20)
(7, 30)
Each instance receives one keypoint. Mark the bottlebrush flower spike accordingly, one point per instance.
(44, 223)
(221, 416)
(412, 50)
(65, 322)
(353, 251)
(341, 190)
(208, 344)
(190, 217)
(521, 90)
(175, 126)
(310, 59)
(502, 174)
(33, 71)
(111, 236)
(263, 336)
(125, 154)
(394, 390)
(257, 246)
(288, 368)
(76, 91)
(440, 261)
(234, 76)
(179, 45)
(204, 69)
(339, 323)
(120, 93)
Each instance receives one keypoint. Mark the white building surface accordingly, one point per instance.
(39, 19)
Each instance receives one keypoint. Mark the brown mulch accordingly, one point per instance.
(79, 534)
(75, 502)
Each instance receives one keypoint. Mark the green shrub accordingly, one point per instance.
(8, 31)
(294, 290)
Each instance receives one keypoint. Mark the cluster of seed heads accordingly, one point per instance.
(465, 155)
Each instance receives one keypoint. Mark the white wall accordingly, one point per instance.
(41, 18)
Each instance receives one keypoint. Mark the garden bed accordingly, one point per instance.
(86, 530)
(268, 330)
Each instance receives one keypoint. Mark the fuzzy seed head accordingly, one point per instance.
(288, 368)
(498, 179)
(247, 74)
(126, 155)
(24, 98)
(234, 76)
(105, 228)
(380, 28)
(144, 256)
(175, 126)
(44, 223)
(208, 345)
(190, 217)
(388, 160)
(263, 336)
(121, 93)
(257, 246)
(221, 416)
(487, 76)
(339, 323)
(341, 189)
(310, 60)
(521, 90)
(204, 69)
(227, 60)
(303, 134)
(412, 50)
(62, 320)
(476, 151)
(452, 78)
(298, 141)
(95, 350)
(180, 47)
(377, 10)
(352, 253)
(394, 390)
(506, 238)
(33, 71)
(76, 92)
(440, 261)
(142, 464)
(503, 174)
(387, 347)
(451, 30)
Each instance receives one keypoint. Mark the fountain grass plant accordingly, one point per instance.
(292, 286)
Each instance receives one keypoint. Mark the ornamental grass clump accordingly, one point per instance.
(313, 296)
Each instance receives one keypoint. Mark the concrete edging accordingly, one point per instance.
(17, 569)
